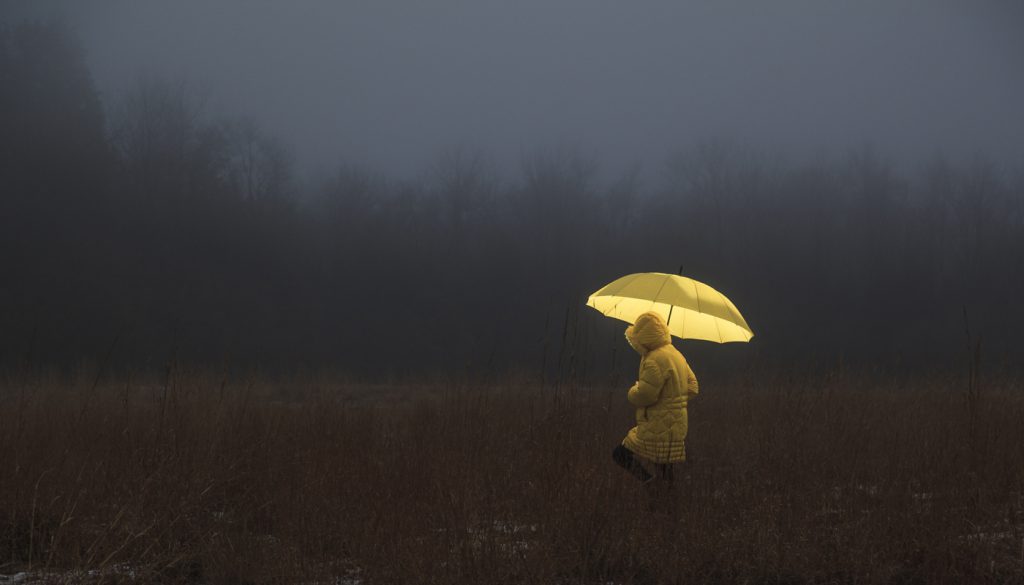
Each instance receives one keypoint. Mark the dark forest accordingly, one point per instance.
(136, 227)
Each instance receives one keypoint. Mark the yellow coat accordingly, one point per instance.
(665, 384)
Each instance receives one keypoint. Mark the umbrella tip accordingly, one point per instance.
(680, 273)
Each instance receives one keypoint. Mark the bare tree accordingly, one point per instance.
(168, 150)
(259, 167)
(464, 181)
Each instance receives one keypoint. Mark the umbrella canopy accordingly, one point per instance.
(693, 310)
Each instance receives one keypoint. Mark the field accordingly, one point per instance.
(848, 476)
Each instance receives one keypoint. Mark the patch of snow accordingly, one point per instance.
(352, 578)
(988, 536)
(871, 490)
(123, 570)
(511, 528)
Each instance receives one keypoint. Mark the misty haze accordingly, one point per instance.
(511, 292)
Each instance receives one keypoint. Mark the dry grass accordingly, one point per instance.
(835, 478)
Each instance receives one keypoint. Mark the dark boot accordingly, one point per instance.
(626, 460)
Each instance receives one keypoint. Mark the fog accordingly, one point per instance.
(390, 83)
(319, 183)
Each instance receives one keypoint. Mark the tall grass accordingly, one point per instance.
(841, 477)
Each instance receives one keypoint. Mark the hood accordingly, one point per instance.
(648, 333)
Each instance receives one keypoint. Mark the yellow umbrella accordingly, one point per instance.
(692, 309)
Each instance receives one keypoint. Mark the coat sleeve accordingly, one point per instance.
(648, 388)
(691, 380)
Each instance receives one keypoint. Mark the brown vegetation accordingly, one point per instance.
(846, 477)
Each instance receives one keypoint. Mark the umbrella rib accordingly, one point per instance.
(630, 281)
(682, 329)
(654, 301)
(621, 297)
(716, 318)
(725, 303)
(743, 322)
(696, 293)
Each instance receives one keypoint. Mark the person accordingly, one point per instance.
(660, 395)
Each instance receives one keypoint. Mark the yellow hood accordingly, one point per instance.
(648, 333)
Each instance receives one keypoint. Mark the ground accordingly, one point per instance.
(828, 477)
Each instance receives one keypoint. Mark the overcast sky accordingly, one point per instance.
(391, 83)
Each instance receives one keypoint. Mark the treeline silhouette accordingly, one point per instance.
(140, 228)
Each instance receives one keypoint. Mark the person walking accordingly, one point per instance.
(664, 386)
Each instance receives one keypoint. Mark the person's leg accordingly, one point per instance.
(625, 459)
(666, 472)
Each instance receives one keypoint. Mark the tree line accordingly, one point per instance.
(141, 227)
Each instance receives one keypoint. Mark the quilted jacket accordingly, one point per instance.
(665, 384)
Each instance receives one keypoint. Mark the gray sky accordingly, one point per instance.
(391, 83)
